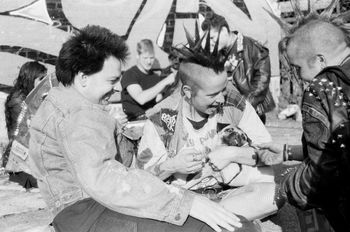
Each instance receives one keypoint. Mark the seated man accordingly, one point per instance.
(72, 149)
(141, 87)
(180, 137)
(248, 64)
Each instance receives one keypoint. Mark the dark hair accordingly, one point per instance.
(22, 86)
(86, 52)
(214, 21)
(27, 74)
(195, 53)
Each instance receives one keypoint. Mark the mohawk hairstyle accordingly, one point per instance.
(340, 21)
(195, 53)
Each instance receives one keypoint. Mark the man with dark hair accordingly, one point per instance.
(248, 64)
(180, 141)
(72, 150)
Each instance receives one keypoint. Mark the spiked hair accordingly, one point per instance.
(195, 53)
(340, 21)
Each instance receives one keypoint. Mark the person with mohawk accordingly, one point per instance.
(72, 154)
(317, 50)
(180, 141)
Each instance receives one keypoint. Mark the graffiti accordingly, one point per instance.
(134, 19)
(35, 30)
(29, 53)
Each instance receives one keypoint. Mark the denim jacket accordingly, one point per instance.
(72, 150)
(323, 179)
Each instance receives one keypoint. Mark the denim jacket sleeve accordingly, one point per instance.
(88, 143)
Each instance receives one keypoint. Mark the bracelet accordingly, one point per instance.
(287, 152)
(257, 160)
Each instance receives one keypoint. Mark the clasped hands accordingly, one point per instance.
(263, 154)
(190, 160)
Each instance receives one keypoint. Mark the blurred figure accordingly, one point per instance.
(30, 74)
(141, 87)
(248, 64)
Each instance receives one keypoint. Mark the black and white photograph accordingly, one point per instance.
(175, 115)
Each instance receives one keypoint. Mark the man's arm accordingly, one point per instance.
(224, 155)
(153, 157)
(152, 152)
(89, 146)
(307, 185)
(143, 96)
(251, 124)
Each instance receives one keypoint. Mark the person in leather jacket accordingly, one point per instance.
(248, 64)
(318, 52)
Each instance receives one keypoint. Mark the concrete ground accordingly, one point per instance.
(26, 211)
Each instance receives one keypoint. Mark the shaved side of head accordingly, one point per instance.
(317, 38)
(195, 75)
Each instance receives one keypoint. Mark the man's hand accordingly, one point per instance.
(269, 154)
(117, 113)
(159, 97)
(187, 161)
(220, 158)
(213, 214)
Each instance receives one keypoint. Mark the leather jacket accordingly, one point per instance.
(249, 66)
(323, 178)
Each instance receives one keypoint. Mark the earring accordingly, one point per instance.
(323, 62)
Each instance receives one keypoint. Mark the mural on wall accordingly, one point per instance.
(36, 29)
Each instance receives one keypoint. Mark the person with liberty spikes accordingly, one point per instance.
(317, 50)
(72, 154)
(181, 143)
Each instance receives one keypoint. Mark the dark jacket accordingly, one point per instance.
(13, 107)
(252, 73)
(323, 178)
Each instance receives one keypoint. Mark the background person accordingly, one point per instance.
(248, 64)
(141, 87)
(29, 75)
